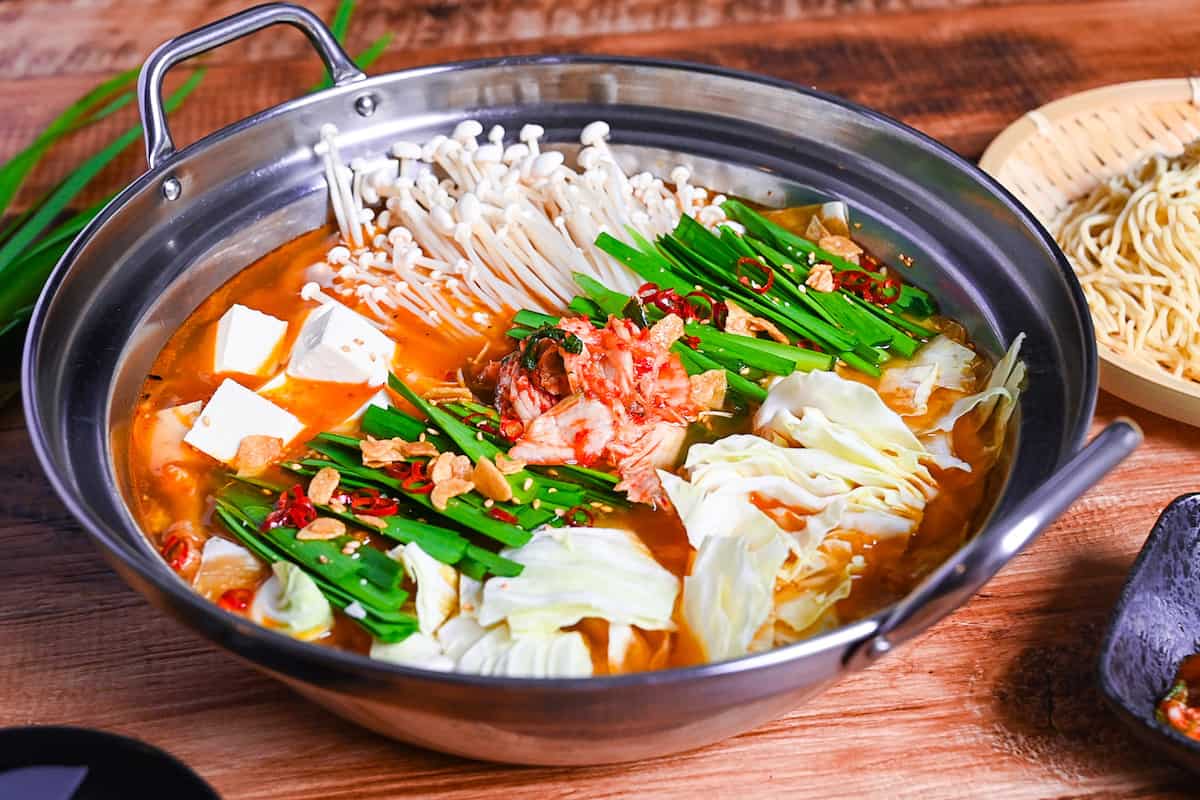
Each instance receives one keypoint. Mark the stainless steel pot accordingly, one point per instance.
(201, 214)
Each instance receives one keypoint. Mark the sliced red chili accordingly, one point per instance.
(701, 305)
(370, 501)
(852, 280)
(668, 301)
(293, 509)
(502, 515)
(417, 482)
(481, 421)
(884, 292)
(647, 290)
(580, 517)
(720, 314)
(760, 283)
(691, 341)
(399, 470)
(236, 599)
(177, 551)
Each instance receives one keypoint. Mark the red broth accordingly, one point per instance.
(174, 499)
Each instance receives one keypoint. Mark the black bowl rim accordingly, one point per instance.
(1145, 723)
(92, 736)
(307, 653)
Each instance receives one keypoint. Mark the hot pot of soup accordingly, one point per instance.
(560, 410)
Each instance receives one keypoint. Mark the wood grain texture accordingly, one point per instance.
(996, 701)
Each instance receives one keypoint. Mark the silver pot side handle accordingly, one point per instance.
(159, 145)
(962, 576)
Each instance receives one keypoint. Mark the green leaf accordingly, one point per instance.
(341, 20)
(522, 482)
(79, 113)
(369, 56)
(386, 624)
(53, 205)
(339, 27)
(458, 509)
(609, 302)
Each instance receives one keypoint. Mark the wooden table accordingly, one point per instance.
(997, 701)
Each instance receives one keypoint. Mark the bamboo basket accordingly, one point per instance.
(1064, 149)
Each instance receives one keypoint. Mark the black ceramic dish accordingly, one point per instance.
(45, 762)
(1155, 626)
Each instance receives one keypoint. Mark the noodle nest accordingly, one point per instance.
(1134, 243)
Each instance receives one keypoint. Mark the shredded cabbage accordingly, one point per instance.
(437, 586)
(418, 650)
(998, 399)
(573, 573)
(800, 603)
(535, 655)
(729, 594)
(942, 363)
(290, 601)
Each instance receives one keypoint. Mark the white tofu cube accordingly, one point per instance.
(340, 346)
(276, 382)
(246, 341)
(380, 399)
(233, 413)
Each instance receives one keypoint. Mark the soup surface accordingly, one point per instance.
(443, 437)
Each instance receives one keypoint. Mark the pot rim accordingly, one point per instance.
(301, 654)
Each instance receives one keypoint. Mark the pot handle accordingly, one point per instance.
(159, 145)
(958, 579)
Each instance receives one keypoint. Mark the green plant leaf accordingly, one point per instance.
(78, 114)
(53, 205)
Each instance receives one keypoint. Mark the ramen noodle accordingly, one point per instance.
(1134, 243)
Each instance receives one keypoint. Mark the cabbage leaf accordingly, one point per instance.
(418, 650)
(437, 586)
(535, 655)
(291, 601)
(573, 573)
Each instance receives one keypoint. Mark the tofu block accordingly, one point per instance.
(246, 341)
(380, 399)
(276, 382)
(341, 346)
(233, 413)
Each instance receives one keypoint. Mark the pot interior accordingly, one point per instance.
(148, 262)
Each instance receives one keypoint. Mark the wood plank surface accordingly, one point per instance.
(996, 701)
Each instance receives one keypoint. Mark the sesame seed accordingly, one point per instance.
(595, 504)
(489, 503)
(606, 509)
(479, 436)
(528, 484)
(536, 503)
(323, 559)
(552, 490)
